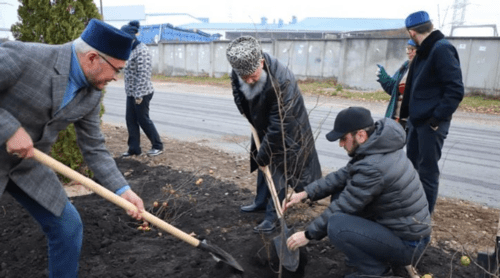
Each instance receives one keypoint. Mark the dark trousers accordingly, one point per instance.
(263, 197)
(371, 247)
(424, 146)
(137, 115)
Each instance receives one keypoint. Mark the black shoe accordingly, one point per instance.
(252, 208)
(266, 227)
(128, 154)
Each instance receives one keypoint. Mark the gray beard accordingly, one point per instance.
(252, 90)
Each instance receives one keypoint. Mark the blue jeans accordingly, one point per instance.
(263, 196)
(423, 148)
(369, 246)
(137, 116)
(64, 233)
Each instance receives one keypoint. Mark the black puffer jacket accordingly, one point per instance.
(379, 184)
(269, 118)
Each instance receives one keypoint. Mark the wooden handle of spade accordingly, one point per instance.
(269, 178)
(112, 197)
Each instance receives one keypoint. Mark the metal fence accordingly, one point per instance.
(351, 61)
(166, 32)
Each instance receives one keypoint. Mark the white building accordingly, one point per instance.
(118, 16)
(8, 16)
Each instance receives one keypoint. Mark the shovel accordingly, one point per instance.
(490, 261)
(289, 259)
(217, 253)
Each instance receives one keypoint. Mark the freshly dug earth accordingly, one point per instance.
(114, 247)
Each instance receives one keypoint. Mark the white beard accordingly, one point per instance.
(251, 90)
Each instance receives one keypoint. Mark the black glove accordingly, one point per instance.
(262, 158)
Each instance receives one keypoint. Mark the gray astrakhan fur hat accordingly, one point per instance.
(244, 54)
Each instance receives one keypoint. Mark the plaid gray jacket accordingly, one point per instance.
(33, 79)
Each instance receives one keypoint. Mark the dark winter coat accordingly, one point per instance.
(269, 118)
(391, 87)
(434, 87)
(379, 184)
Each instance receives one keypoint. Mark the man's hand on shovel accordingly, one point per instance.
(297, 240)
(20, 144)
(130, 196)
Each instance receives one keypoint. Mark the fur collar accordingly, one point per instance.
(426, 46)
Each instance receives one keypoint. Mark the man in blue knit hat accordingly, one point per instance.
(433, 91)
(43, 89)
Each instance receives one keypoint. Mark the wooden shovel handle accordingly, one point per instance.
(269, 177)
(412, 272)
(112, 197)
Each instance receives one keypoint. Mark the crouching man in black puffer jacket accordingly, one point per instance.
(379, 214)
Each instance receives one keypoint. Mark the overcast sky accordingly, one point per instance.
(230, 11)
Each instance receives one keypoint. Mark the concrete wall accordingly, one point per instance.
(352, 61)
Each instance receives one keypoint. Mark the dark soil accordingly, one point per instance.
(114, 247)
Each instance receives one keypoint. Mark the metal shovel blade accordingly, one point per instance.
(289, 259)
(219, 254)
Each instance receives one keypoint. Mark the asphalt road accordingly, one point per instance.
(470, 164)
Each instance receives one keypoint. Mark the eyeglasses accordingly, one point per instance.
(410, 49)
(116, 69)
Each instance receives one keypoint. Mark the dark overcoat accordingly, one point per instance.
(280, 117)
(434, 86)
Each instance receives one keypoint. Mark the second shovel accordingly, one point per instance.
(289, 259)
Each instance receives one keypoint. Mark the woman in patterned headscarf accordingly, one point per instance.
(139, 91)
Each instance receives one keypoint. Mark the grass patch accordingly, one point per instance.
(481, 104)
(223, 81)
(475, 102)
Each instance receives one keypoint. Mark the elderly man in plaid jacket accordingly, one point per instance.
(43, 89)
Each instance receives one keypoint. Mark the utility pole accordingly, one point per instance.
(459, 12)
(102, 15)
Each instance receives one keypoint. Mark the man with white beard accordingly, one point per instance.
(266, 93)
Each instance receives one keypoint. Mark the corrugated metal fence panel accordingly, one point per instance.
(353, 62)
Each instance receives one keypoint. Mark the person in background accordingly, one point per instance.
(395, 85)
(433, 92)
(43, 89)
(378, 215)
(266, 93)
(139, 89)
